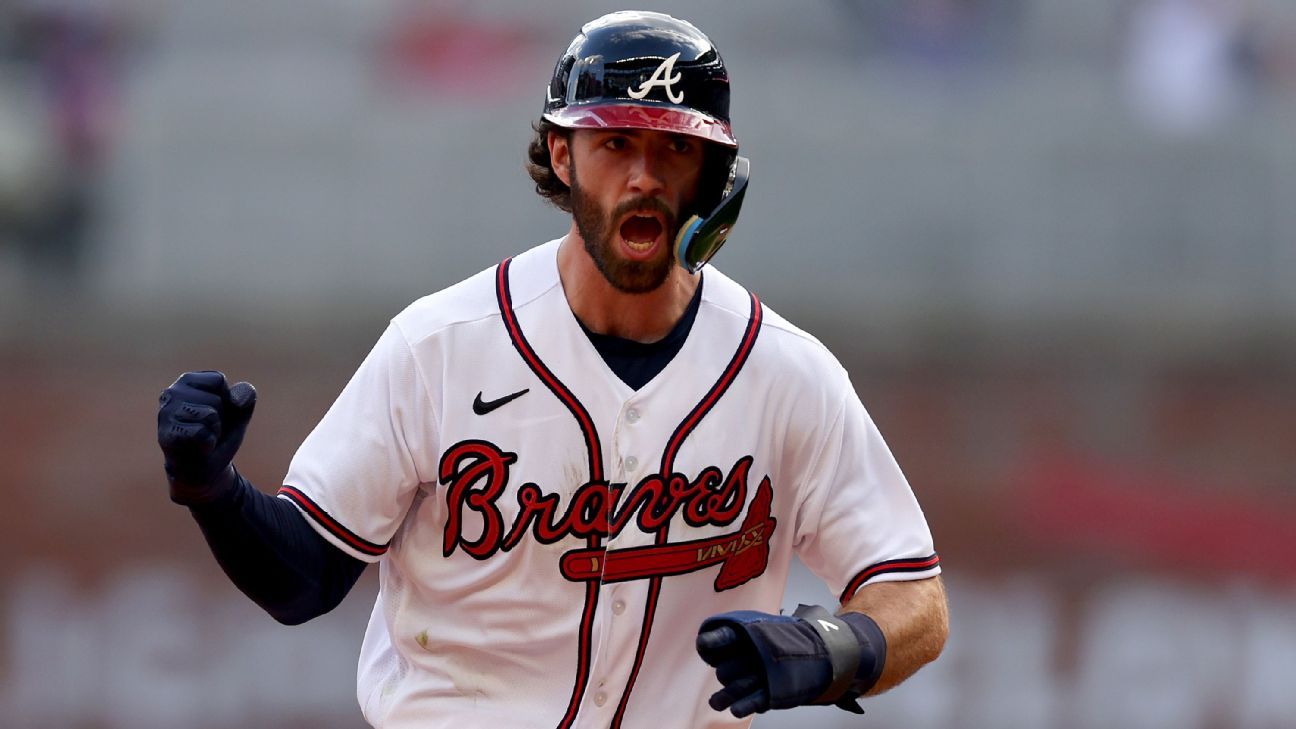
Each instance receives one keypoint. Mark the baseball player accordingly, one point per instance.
(584, 472)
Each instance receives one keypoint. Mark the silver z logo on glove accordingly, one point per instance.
(661, 77)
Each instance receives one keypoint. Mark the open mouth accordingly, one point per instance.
(640, 231)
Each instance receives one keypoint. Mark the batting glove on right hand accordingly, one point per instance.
(201, 423)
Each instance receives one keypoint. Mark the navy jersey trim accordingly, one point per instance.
(682, 432)
(595, 450)
(921, 564)
(333, 526)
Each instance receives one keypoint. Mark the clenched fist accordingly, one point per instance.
(201, 422)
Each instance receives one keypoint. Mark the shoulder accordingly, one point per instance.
(477, 298)
(780, 344)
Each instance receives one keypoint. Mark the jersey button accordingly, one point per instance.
(618, 607)
(632, 415)
(631, 464)
(600, 698)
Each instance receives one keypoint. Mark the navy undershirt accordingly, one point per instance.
(270, 553)
(274, 556)
(636, 363)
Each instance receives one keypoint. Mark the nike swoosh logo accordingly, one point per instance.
(481, 407)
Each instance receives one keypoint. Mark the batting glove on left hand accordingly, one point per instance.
(768, 661)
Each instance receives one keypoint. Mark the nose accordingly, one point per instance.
(646, 177)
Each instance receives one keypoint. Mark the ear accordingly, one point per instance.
(560, 156)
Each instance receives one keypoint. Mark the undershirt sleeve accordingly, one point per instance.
(272, 554)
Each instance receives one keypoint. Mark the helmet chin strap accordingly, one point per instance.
(699, 238)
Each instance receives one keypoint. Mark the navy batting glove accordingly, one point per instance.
(201, 423)
(768, 661)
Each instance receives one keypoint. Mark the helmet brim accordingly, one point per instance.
(660, 118)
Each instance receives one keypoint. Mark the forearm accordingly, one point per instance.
(270, 553)
(914, 617)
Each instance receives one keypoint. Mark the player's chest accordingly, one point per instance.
(525, 461)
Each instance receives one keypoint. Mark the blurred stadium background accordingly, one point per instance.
(1054, 242)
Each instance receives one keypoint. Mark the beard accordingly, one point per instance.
(595, 226)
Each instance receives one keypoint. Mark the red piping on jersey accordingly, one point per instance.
(595, 450)
(920, 564)
(668, 466)
(547, 377)
(348, 537)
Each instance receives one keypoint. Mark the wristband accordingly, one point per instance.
(843, 649)
(873, 645)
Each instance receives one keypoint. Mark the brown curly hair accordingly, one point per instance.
(540, 166)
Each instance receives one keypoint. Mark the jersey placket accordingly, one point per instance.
(621, 603)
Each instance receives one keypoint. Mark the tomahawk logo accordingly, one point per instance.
(661, 77)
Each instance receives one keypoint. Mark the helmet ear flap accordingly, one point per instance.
(717, 168)
(702, 235)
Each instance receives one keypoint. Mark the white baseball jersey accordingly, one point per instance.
(550, 540)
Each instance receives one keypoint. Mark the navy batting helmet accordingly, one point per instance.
(642, 70)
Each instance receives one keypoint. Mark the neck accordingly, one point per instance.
(645, 317)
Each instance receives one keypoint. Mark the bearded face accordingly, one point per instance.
(613, 237)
